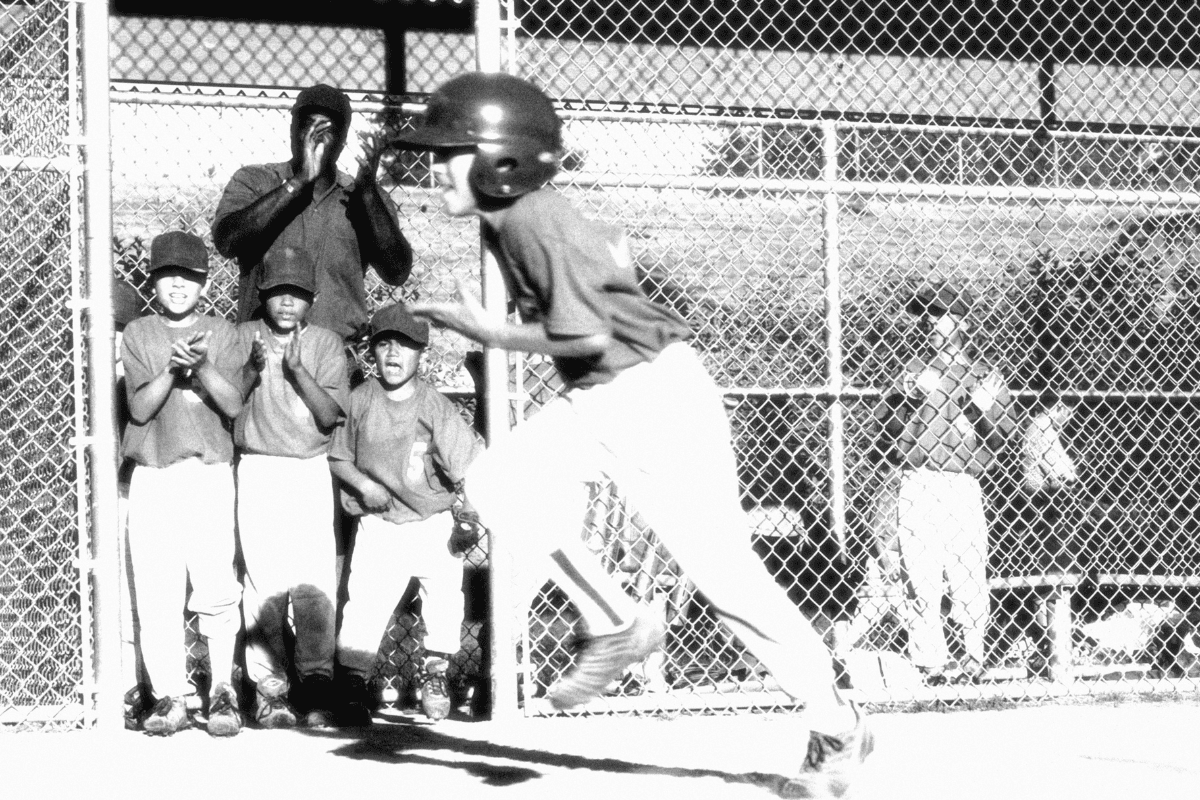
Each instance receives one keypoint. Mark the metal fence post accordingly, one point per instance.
(503, 655)
(106, 535)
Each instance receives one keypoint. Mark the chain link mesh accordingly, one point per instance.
(41, 633)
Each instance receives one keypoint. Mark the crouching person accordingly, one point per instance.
(402, 455)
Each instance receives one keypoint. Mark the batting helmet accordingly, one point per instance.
(510, 122)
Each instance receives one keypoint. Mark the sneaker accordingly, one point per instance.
(224, 719)
(603, 659)
(358, 701)
(169, 716)
(434, 690)
(832, 761)
(316, 701)
(137, 706)
(271, 707)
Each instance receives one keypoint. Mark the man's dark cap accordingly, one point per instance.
(941, 298)
(396, 319)
(179, 249)
(288, 266)
(325, 98)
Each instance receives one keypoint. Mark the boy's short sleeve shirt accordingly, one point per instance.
(324, 230)
(188, 425)
(939, 430)
(418, 448)
(275, 420)
(575, 276)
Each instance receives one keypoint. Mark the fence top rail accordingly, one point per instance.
(869, 393)
(239, 97)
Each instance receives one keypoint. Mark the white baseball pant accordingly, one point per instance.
(285, 526)
(181, 528)
(659, 430)
(386, 558)
(943, 543)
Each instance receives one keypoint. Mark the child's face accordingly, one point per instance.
(286, 307)
(396, 359)
(451, 169)
(177, 291)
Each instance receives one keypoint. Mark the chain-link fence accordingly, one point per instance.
(44, 641)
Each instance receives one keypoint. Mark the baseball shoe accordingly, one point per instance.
(359, 701)
(169, 716)
(316, 701)
(832, 762)
(224, 719)
(137, 706)
(603, 659)
(271, 707)
(434, 690)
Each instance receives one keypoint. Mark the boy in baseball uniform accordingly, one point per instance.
(295, 388)
(180, 372)
(639, 407)
(943, 423)
(402, 455)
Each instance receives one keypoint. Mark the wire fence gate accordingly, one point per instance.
(788, 176)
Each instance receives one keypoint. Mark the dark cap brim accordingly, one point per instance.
(428, 138)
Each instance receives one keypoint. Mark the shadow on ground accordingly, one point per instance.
(397, 743)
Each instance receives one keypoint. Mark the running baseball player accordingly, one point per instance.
(639, 407)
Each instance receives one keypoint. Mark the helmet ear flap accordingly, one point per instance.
(511, 169)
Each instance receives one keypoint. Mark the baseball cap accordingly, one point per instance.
(396, 319)
(326, 98)
(179, 249)
(288, 266)
(941, 298)
(127, 304)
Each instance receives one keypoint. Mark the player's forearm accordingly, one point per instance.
(531, 337)
(324, 409)
(248, 233)
(227, 396)
(147, 400)
(352, 476)
(250, 379)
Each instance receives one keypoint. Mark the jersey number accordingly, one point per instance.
(416, 460)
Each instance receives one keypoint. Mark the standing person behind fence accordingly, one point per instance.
(180, 373)
(639, 407)
(943, 423)
(296, 390)
(402, 454)
(344, 224)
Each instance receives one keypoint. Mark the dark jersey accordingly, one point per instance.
(575, 276)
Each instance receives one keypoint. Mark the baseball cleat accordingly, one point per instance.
(603, 659)
(435, 692)
(224, 719)
(168, 717)
(832, 762)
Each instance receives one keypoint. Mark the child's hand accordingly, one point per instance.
(191, 353)
(375, 497)
(467, 316)
(291, 354)
(987, 392)
(258, 353)
(466, 533)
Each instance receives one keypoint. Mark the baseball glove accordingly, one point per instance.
(467, 532)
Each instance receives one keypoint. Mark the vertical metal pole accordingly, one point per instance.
(503, 653)
(98, 232)
(833, 331)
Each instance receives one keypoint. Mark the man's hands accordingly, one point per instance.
(368, 162)
(316, 144)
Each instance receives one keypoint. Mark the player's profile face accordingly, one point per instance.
(452, 169)
(177, 290)
(396, 360)
(286, 307)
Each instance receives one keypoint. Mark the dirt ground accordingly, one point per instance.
(1098, 751)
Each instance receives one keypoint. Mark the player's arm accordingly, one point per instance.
(468, 317)
(382, 243)
(193, 353)
(373, 495)
(148, 399)
(324, 408)
(995, 423)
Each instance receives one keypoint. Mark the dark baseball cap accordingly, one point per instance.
(324, 98)
(396, 319)
(179, 249)
(127, 304)
(941, 298)
(288, 266)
